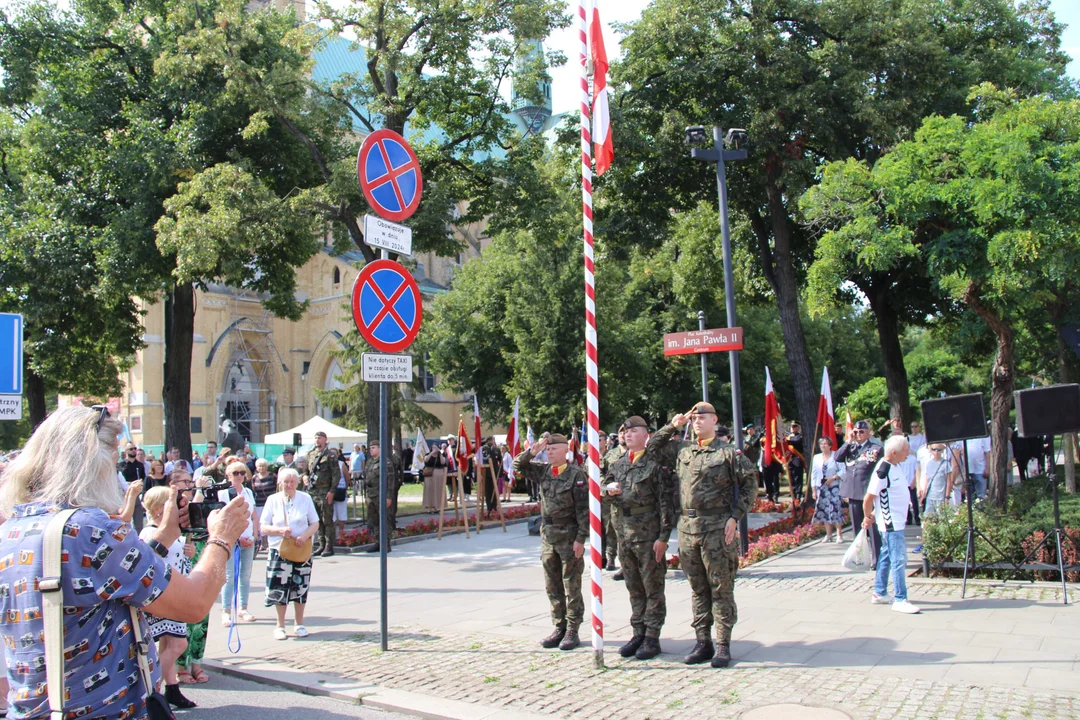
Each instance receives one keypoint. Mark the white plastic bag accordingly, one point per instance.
(857, 556)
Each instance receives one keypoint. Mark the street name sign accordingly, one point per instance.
(386, 235)
(389, 175)
(11, 366)
(380, 367)
(703, 341)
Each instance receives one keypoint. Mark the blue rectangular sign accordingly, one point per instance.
(11, 354)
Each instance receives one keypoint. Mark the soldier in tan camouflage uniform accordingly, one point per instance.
(371, 492)
(642, 512)
(717, 487)
(564, 505)
(323, 476)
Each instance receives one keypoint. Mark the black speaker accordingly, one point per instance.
(1047, 410)
(959, 417)
(297, 441)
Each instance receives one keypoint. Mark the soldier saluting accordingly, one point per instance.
(717, 486)
(564, 505)
(642, 512)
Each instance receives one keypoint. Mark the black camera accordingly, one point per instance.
(198, 512)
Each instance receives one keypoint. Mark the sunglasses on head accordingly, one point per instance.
(104, 413)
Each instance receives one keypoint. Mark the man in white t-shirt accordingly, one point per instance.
(978, 458)
(886, 504)
(916, 440)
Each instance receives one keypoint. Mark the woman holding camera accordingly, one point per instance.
(290, 520)
(238, 474)
(434, 480)
(70, 463)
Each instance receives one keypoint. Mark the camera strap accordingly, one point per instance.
(234, 602)
(52, 599)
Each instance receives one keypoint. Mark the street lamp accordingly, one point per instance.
(737, 139)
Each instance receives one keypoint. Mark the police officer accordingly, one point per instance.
(642, 512)
(717, 487)
(564, 505)
(323, 476)
(371, 492)
(611, 532)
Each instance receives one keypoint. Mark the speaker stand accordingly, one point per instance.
(1057, 534)
(972, 531)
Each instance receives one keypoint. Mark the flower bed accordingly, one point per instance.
(362, 536)
(768, 506)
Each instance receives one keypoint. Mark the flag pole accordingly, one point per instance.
(591, 374)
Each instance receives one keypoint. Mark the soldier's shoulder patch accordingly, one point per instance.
(580, 482)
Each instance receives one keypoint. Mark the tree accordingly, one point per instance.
(811, 81)
(993, 209)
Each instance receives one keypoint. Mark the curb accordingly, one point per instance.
(405, 540)
(360, 693)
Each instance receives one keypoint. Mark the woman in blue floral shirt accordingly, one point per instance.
(70, 462)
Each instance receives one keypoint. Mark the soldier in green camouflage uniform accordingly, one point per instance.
(564, 505)
(717, 487)
(642, 512)
(371, 492)
(611, 532)
(323, 476)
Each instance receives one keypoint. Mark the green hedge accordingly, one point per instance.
(1017, 529)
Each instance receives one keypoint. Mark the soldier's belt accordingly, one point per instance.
(565, 520)
(706, 512)
(640, 510)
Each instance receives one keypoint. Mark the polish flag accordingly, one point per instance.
(464, 449)
(605, 151)
(476, 433)
(826, 421)
(513, 442)
(773, 447)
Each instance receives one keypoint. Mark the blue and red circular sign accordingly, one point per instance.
(389, 175)
(386, 306)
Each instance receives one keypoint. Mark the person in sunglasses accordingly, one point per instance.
(239, 478)
(860, 454)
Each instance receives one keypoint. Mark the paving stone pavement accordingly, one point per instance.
(466, 617)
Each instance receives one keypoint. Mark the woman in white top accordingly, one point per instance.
(289, 513)
(825, 485)
(934, 477)
(239, 474)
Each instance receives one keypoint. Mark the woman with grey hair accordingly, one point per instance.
(70, 463)
(290, 520)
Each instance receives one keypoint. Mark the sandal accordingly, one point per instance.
(226, 620)
(185, 678)
(246, 616)
(200, 676)
(279, 633)
(301, 631)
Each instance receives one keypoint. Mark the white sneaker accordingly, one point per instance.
(876, 599)
(301, 631)
(905, 607)
(839, 539)
(279, 633)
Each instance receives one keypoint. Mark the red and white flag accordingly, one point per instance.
(849, 427)
(826, 421)
(464, 449)
(601, 115)
(773, 449)
(513, 442)
(476, 433)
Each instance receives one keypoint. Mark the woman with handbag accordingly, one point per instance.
(434, 480)
(290, 520)
(80, 580)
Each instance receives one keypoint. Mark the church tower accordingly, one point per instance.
(533, 112)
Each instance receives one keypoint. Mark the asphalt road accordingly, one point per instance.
(236, 699)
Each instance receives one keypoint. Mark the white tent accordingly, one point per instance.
(334, 434)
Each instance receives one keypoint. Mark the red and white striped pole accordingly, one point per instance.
(596, 532)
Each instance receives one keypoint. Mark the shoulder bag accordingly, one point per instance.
(52, 597)
(293, 551)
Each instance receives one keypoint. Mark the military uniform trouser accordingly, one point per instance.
(710, 565)
(797, 477)
(562, 578)
(644, 578)
(326, 522)
(371, 517)
(611, 534)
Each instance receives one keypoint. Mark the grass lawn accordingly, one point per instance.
(409, 502)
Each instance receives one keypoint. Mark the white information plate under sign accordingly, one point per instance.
(387, 235)
(380, 367)
(10, 407)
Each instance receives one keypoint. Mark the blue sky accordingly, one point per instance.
(565, 93)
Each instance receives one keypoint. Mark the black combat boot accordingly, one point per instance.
(570, 640)
(610, 564)
(618, 575)
(702, 651)
(723, 656)
(553, 640)
(649, 649)
(631, 647)
(328, 551)
(374, 548)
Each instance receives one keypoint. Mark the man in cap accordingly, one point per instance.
(642, 511)
(717, 487)
(323, 476)
(611, 532)
(861, 453)
(288, 458)
(796, 452)
(564, 505)
(371, 492)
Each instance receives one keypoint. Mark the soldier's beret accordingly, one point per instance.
(288, 451)
(557, 439)
(748, 427)
(636, 421)
(320, 434)
(622, 427)
(703, 408)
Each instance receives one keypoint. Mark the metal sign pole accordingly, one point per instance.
(704, 362)
(384, 534)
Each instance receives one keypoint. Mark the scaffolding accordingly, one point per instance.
(247, 396)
